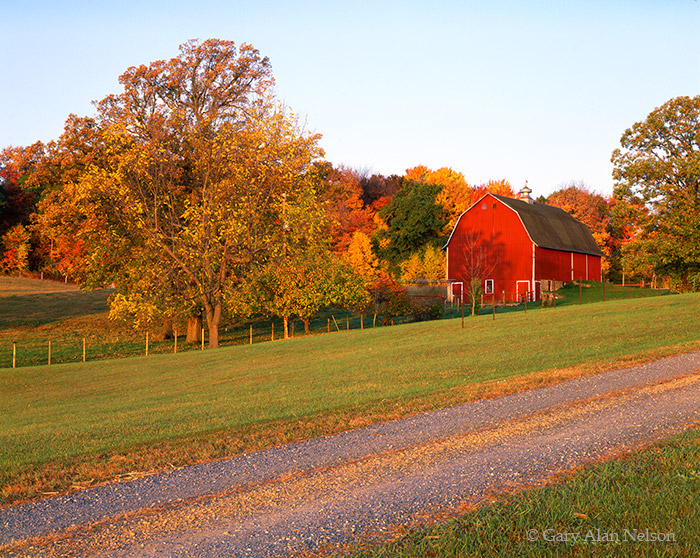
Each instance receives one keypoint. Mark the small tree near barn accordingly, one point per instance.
(479, 263)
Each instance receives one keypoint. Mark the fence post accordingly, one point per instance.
(603, 289)
(202, 338)
(175, 335)
(146, 343)
(580, 292)
(272, 335)
(49, 352)
(251, 334)
(362, 322)
(14, 354)
(329, 325)
(347, 323)
(84, 349)
(493, 305)
(462, 301)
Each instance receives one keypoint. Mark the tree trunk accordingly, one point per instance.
(194, 329)
(213, 311)
(167, 330)
(307, 328)
(286, 326)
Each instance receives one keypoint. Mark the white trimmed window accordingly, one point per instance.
(488, 286)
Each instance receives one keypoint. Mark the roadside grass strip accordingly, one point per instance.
(78, 424)
(643, 504)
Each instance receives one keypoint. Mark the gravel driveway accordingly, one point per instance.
(329, 490)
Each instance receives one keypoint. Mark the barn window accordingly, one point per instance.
(488, 286)
(483, 206)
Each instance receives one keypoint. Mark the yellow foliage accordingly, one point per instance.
(361, 257)
(428, 265)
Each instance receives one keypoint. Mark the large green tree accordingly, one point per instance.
(657, 173)
(413, 219)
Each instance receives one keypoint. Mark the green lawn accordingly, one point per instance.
(34, 312)
(205, 404)
(645, 504)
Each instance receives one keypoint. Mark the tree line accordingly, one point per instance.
(197, 195)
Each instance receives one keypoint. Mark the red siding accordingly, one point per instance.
(555, 265)
(496, 231)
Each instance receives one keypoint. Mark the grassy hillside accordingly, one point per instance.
(82, 422)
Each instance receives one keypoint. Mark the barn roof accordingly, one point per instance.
(552, 227)
(549, 226)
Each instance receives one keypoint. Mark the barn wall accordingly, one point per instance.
(494, 233)
(556, 265)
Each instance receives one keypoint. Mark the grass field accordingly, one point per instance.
(80, 423)
(34, 312)
(645, 504)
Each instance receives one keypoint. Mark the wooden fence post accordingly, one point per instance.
(49, 352)
(362, 322)
(347, 323)
(202, 338)
(175, 335)
(84, 349)
(251, 334)
(603, 289)
(272, 336)
(146, 343)
(329, 325)
(580, 292)
(14, 354)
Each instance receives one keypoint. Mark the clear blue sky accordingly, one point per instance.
(522, 90)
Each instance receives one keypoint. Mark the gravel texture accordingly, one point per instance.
(365, 482)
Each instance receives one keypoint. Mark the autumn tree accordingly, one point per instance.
(426, 265)
(339, 191)
(16, 249)
(361, 256)
(72, 236)
(378, 190)
(201, 166)
(657, 168)
(455, 195)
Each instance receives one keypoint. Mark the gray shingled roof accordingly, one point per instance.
(552, 227)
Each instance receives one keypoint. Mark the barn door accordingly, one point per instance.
(523, 290)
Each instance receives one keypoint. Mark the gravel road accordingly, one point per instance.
(327, 491)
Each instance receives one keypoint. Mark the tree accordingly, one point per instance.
(427, 265)
(480, 261)
(16, 254)
(339, 192)
(658, 168)
(361, 257)
(300, 284)
(455, 197)
(203, 170)
(413, 219)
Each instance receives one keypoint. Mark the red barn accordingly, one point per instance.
(516, 248)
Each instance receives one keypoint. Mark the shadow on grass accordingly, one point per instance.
(31, 310)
